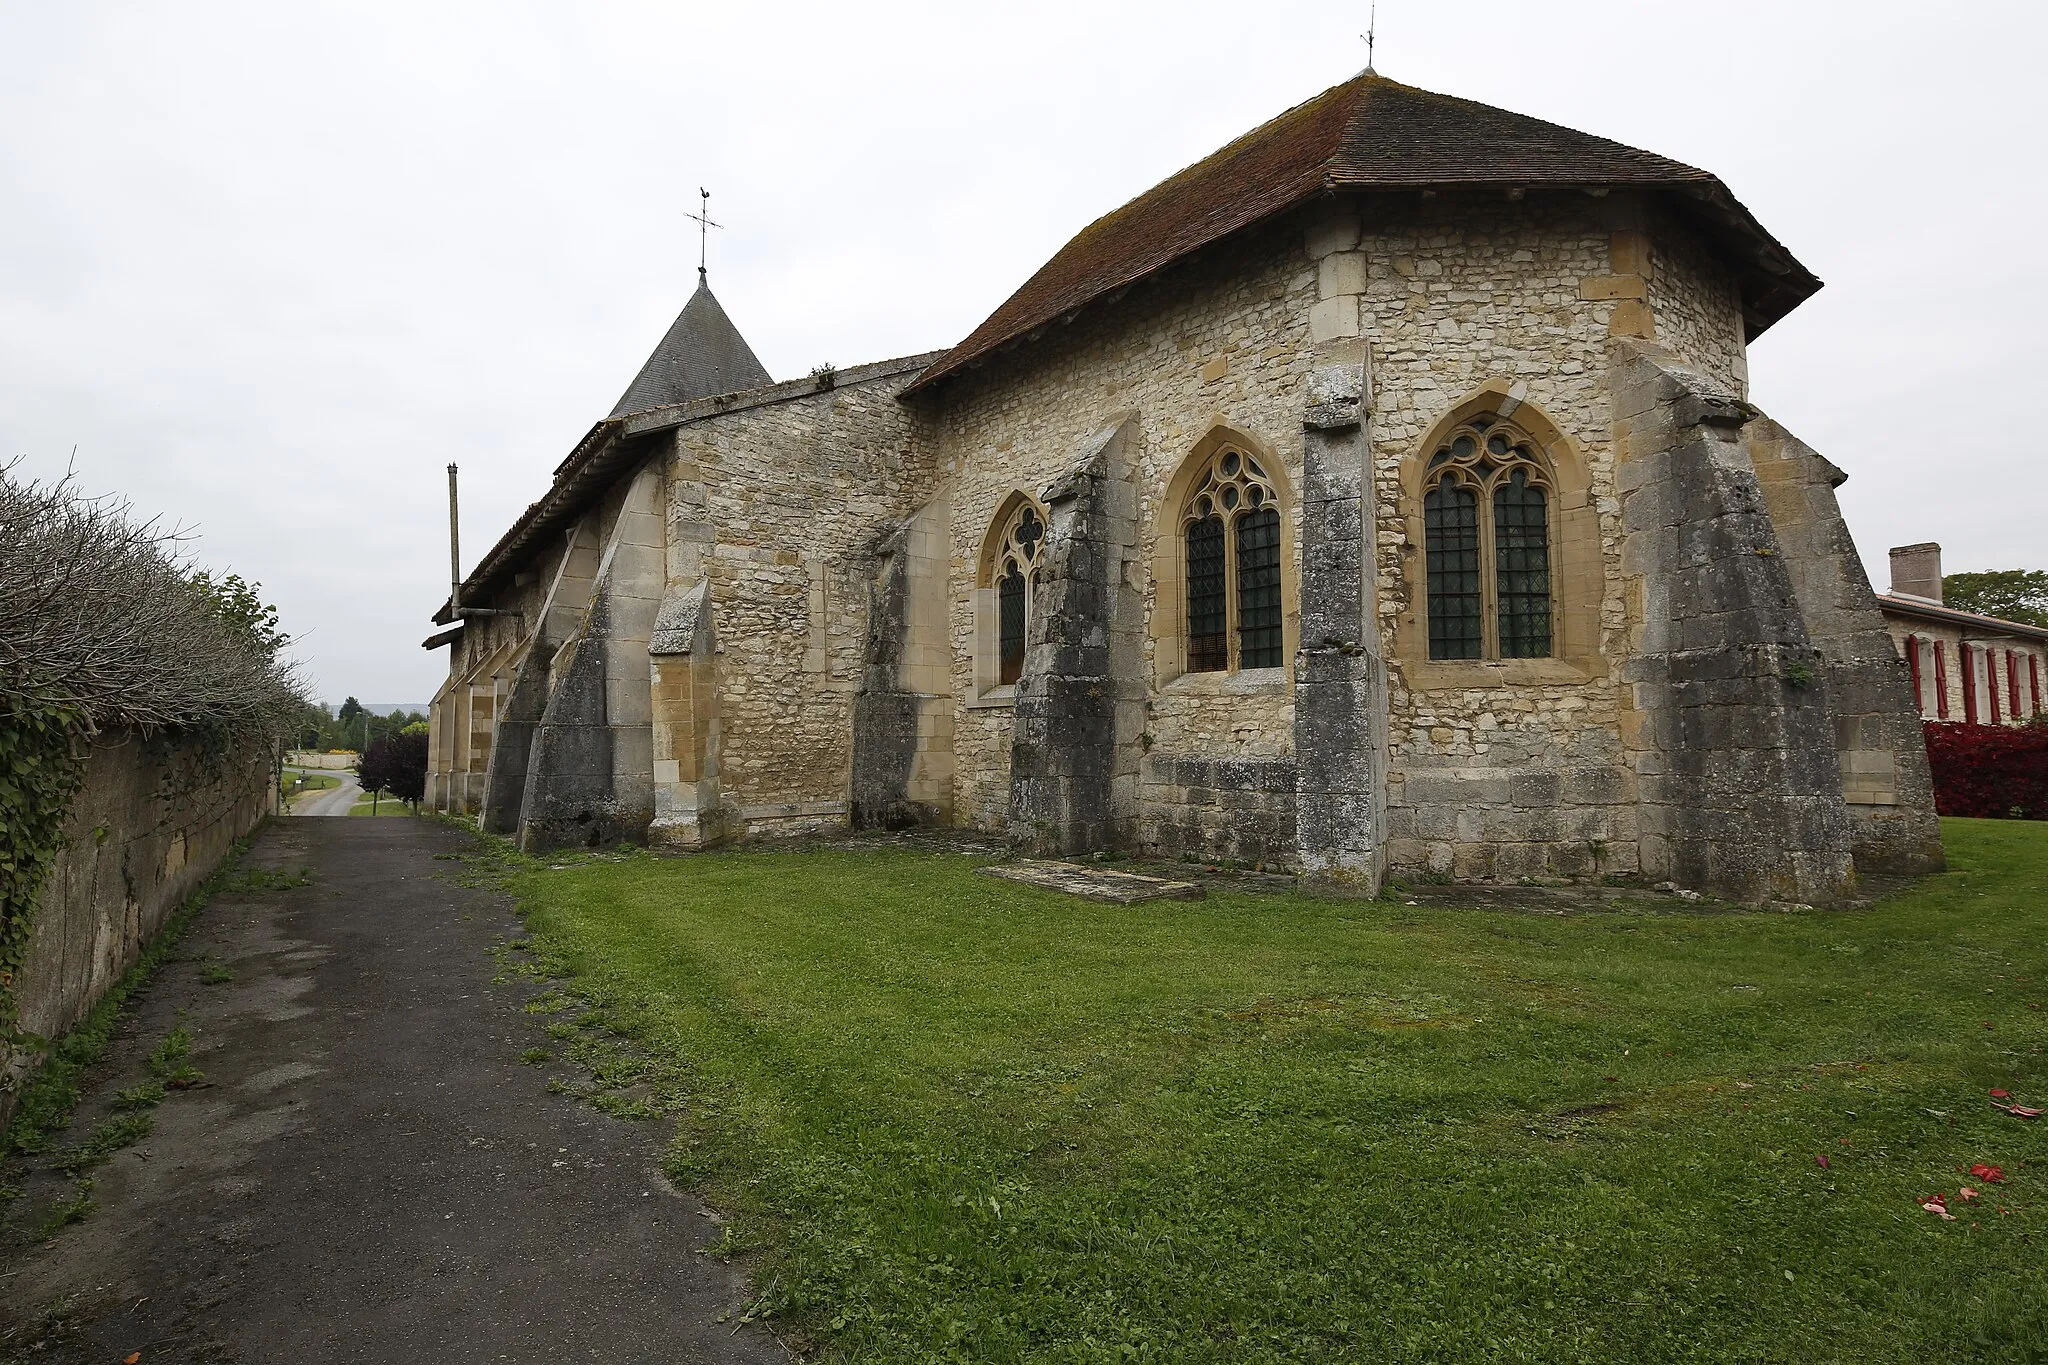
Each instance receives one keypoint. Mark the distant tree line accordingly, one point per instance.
(350, 726)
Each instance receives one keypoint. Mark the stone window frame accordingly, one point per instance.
(1577, 572)
(989, 688)
(1168, 616)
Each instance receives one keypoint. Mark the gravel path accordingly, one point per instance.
(369, 1173)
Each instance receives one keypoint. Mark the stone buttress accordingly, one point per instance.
(590, 772)
(1340, 675)
(1731, 735)
(1080, 704)
(902, 767)
(1886, 783)
(560, 617)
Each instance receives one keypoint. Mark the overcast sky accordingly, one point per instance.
(270, 267)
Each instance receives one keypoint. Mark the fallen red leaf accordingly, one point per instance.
(1990, 1175)
(1938, 1205)
(1967, 1193)
(2001, 1094)
(1821, 1161)
(2020, 1111)
(133, 1356)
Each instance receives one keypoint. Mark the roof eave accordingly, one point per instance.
(1773, 282)
(1935, 611)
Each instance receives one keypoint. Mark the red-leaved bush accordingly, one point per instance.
(1995, 771)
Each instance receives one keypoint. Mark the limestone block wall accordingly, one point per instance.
(1448, 297)
(1474, 303)
(152, 820)
(1217, 343)
(1695, 305)
(1241, 809)
(780, 501)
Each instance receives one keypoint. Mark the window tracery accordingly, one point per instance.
(1016, 580)
(1486, 525)
(1230, 534)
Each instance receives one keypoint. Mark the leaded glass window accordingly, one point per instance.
(1016, 579)
(1010, 597)
(1258, 589)
(1486, 524)
(1208, 598)
(1521, 566)
(1450, 514)
(1231, 532)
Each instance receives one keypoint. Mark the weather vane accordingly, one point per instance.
(1372, 25)
(704, 225)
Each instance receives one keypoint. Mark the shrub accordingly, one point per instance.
(1991, 771)
(396, 763)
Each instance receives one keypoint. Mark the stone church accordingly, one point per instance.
(1377, 495)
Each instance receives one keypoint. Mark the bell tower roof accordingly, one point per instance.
(702, 354)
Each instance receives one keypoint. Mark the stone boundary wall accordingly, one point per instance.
(150, 823)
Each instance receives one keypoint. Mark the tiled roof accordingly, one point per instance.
(1372, 134)
(701, 355)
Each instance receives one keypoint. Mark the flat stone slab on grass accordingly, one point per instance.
(1094, 883)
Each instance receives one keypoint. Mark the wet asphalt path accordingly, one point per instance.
(369, 1173)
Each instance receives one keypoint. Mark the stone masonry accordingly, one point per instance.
(779, 610)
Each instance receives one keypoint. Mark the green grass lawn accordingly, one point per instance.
(383, 805)
(298, 783)
(966, 1120)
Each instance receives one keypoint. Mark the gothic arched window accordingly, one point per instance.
(1486, 524)
(1016, 576)
(1230, 533)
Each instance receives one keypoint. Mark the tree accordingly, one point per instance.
(2009, 594)
(396, 763)
(350, 709)
(239, 605)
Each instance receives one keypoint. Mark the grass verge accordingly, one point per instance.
(388, 805)
(51, 1092)
(966, 1120)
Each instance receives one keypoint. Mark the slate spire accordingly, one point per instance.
(702, 354)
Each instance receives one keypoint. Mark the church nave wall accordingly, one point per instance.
(1512, 768)
(1222, 341)
(780, 503)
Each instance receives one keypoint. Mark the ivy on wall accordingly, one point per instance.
(42, 763)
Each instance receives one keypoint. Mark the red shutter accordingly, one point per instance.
(1913, 672)
(1991, 684)
(1969, 682)
(2034, 678)
(1940, 681)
